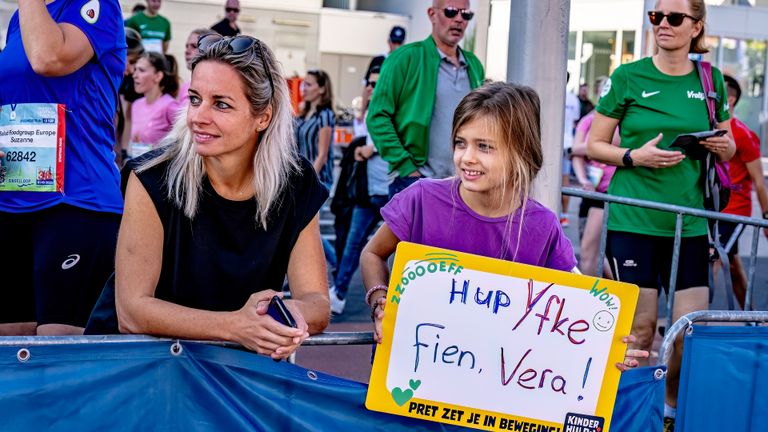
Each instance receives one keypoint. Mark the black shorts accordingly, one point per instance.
(60, 258)
(588, 203)
(726, 229)
(646, 260)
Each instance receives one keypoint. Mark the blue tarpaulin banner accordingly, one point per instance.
(130, 386)
(723, 380)
(640, 400)
(142, 386)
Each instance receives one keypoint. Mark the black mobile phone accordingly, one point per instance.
(280, 312)
(689, 143)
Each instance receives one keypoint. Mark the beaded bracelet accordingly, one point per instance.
(370, 292)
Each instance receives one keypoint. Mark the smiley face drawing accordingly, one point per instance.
(603, 321)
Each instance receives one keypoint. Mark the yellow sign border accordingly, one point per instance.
(379, 398)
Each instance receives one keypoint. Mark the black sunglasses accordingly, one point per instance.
(674, 18)
(451, 12)
(238, 45)
(236, 10)
(370, 83)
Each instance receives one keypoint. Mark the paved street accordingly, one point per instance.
(353, 362)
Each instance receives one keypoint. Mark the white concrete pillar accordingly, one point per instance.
(537, 57)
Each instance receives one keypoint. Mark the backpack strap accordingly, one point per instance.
(710, 95)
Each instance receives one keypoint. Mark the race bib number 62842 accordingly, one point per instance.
(32, 137)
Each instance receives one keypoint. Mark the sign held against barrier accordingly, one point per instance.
(495, 345)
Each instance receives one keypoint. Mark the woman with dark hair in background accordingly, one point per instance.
(127, 94)
(314, 130)
(152, 116)
(314, 134)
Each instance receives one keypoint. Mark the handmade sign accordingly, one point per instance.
(495, 345)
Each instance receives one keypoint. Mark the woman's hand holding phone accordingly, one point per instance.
(255, 329)
(717, 143)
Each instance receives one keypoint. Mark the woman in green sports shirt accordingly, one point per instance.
(653, 100)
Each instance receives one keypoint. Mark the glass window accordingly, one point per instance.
(627, 47)
(745, 61)
(572, 45)
(597, 50)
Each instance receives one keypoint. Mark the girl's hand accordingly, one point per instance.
(587, 185)
(717, 145)
(363, 152)
(653, 157)
(377, 314)
(259, 332)
(630, 359)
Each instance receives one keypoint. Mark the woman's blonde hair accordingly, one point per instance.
(512, 113)
(699, 11)
(276, 157)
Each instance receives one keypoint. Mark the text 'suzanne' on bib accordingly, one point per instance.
(32, 137)
(495, 345)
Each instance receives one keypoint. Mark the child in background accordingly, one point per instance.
(486, 208)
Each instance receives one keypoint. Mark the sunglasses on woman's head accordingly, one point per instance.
(238, 45)
(370, 83)
(673, 18)
(451, 12)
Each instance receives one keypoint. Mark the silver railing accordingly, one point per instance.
(680, 211)
(685, 324)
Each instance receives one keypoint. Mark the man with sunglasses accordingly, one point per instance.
(228, 26)
(420, 85)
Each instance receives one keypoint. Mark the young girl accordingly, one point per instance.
(485, 209)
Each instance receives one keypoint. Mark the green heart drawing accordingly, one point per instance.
(414, 384)
(401, 397)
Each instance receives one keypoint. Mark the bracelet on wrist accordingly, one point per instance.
(369, 293)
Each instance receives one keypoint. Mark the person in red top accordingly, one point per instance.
(745, 169)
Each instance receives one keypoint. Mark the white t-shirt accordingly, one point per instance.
(572, 111)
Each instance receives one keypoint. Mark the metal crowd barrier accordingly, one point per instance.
(331, 338)
(322, 339)
(685, 323)
(680, 212)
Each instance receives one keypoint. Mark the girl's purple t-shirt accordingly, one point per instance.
(431, 212)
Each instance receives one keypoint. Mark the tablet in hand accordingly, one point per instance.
(689, 143)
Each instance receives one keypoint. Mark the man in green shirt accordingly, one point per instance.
(154, 28)
(420, 86)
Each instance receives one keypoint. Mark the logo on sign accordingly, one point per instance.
(44, 176)
(582, 423)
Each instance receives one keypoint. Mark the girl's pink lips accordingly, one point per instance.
(471, 174)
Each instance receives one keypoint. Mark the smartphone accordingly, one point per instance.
(280, 312)
(689, 143)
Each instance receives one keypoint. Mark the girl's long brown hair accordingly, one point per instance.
(513, 113)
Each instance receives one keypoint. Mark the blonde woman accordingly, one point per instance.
(217, 217)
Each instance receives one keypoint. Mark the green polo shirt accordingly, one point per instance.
(646, 102)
